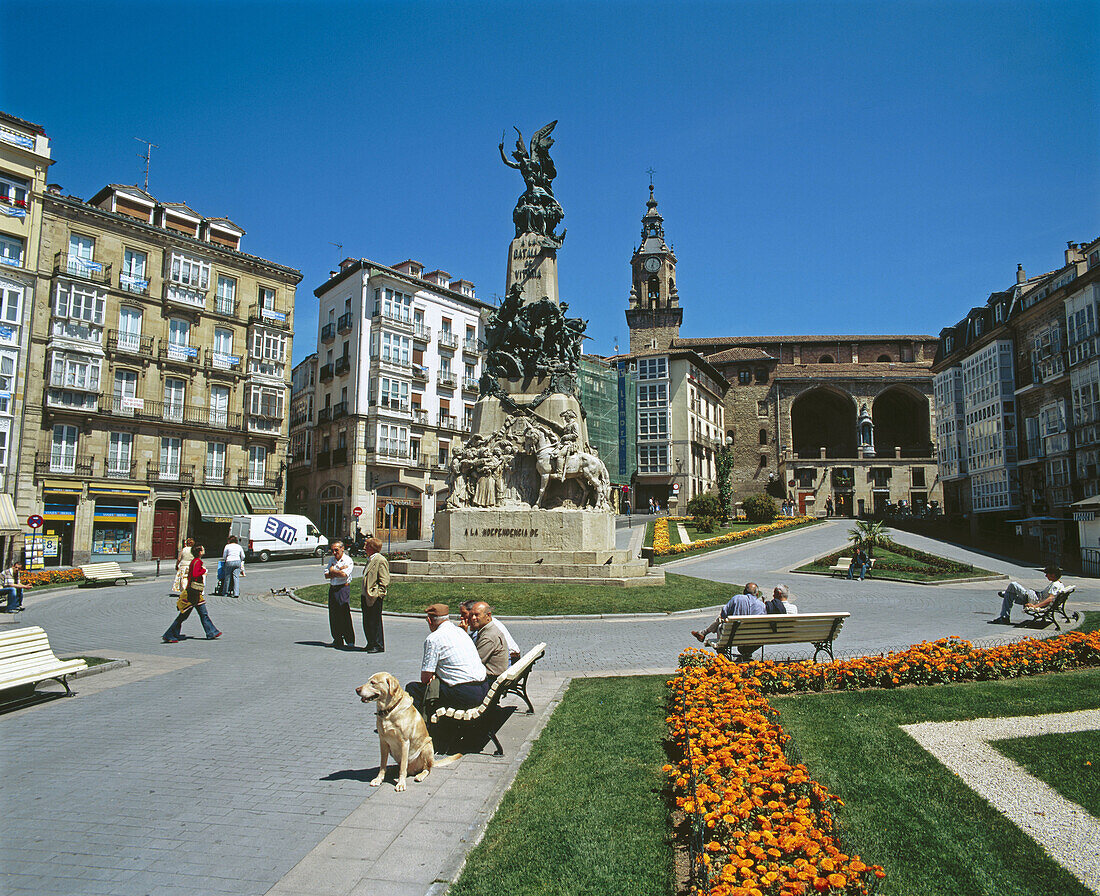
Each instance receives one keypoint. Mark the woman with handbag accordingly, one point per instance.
(182, 565)
(192, 599)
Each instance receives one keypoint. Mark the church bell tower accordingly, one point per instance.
(654, 315)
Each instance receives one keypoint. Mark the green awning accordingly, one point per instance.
(261, 503)
(9, 522)
(218, 506)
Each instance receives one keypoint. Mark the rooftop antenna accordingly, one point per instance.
(149, 147)
(339, 248)
(496, 299)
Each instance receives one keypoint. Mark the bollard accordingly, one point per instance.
(158, 568)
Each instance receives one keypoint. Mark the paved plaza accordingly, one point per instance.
(240, 766)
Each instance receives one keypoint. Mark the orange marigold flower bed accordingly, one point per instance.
(727, 538)
(660, 536)
(50, 576)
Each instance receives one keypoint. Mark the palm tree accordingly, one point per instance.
(870, 534)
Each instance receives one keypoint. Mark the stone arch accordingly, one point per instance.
(885, 359)
(826, 359)
(653, 291)
(901, 418)
(823, 417)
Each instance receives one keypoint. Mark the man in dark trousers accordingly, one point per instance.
(338, 570)
(375, 583)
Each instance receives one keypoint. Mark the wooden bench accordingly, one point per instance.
(843, 563)
(97, 573)
(1046, 614)
(26, 659)
(819, 629)
(482, 718)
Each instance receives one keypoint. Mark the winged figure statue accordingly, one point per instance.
(537, 211)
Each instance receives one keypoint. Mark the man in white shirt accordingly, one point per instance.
(338, 570)
(233, 558)
(451, 673)
(1016, 593)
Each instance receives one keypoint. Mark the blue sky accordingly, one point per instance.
(822, 168)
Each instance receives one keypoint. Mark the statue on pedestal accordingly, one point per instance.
(537, 211)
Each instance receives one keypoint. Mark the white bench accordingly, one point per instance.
(843, 563)
(1045, 616)
(819, 629)
(26, 659)
(512, 681)
(96, 573)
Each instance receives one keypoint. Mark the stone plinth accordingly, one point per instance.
(534, 266)
(523, 529)
(490, 413)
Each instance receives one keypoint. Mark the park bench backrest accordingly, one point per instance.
(109, 569)
(496, 689)
(25, 656)
(778, 628)
(1060, 600)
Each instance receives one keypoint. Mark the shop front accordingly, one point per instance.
(215, 509)
(114, 522)
(397, 513)
(59, 514)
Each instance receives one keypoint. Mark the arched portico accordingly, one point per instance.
(823, 417)
(901, 419)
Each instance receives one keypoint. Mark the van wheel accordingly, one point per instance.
(320, 552)
(264, 556)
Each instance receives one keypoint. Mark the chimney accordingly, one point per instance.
(1073, 253)
(1021, 276)
(55, 189)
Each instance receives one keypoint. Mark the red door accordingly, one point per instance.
(166, 530)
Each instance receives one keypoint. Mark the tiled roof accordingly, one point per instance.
(22, 122)
(833, 371)
(762, 340)
(740, 353)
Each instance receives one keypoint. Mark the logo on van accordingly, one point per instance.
(276, 528)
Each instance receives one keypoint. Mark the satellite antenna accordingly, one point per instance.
(149, 147)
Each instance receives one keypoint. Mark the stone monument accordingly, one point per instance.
(528, 498)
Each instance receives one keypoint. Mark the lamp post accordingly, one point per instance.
(724, 462)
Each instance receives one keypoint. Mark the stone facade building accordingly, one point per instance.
(157, 378)
(806, 417)
(24, 163)
(397, 367)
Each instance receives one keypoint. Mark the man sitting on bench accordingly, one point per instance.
(451, 673)
(1016, 593)
(745, 604)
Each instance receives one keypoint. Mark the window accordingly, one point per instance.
(11, 251)
(173, 398)
(179, 332)
(11, 302)
(652, 425)
(267, 298)
(395, 349)
(79, 303)
(257, 464)
(129, 328)
(226, 296)
(266, 401)
(13, 190)
(119, 453)
(132, 276)
(653, 458)
(223, 341)
(189, 271)
(763, 437)
(654, 395)
(652, 368)
(393, 304)
(7, 380)
(81, 253)
(744, 376)
(73, 371)
(215, 462)
(761, 409)
(393, 394)
(444, 450)
(5, 427)
(917, 474)
(269, 346)
(63, 449)
(392, 440)
(761, 374)
(171, 451)
(125, 387)
(219, 405)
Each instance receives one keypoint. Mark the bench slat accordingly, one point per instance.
(26, 658)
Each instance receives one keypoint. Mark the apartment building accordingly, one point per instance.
(398, 362)
(24, 163)
(158, 378)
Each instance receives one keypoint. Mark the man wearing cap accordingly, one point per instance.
(451, 673)
(1016, 593)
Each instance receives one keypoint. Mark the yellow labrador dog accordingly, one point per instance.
(401, 731)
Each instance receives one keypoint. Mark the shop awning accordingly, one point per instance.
(120, 490)
(217, 505)
(9, 522)
(64, 488)
(260, 502)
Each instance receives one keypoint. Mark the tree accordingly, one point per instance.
(704, 505)
(870, 534)
(760, 509)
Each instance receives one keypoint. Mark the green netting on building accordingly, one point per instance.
(611, 418)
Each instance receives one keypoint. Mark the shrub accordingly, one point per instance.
(705, 505)
(706, 523)
(760, 509)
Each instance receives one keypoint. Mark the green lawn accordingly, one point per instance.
(550, 599)
(903, 810)
(585, 815)
(1070, 763)
(915, 566)
(694, 534)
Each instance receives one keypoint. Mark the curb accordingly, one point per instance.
(109, 666)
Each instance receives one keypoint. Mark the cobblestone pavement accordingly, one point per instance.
(240, 766)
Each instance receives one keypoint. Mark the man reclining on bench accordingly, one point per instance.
(1016, 593)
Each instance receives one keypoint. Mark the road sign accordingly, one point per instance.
(389, 510)
(675, 488)
(357, 512)
(35, 521)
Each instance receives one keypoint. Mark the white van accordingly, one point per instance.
(265, 535)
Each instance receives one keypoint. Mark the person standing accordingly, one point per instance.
(829, 506)
(233, 558)
(192, 599)
(12, 587)
(183, 563)
(375, 583)
(338, 570)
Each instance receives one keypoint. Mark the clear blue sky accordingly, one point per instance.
(822, 168)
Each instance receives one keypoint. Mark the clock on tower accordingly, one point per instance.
(654, 315)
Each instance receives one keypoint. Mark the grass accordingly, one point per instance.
(1070, 763)
(913, 566)
(585, 815)
(694, 534)
(550, 599)
(904, 810)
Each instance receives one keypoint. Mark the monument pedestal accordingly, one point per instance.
(525, 545)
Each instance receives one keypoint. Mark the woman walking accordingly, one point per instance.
(233, 558)
(192, 599)
(182, 565)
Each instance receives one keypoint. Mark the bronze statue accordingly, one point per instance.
(537, 211)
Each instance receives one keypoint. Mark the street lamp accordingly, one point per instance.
(724, 462)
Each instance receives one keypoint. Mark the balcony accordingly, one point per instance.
(116, 470)
(215, 476)
(78, 465)
(253, 482)
(324, 416)
(447, 379)
(189, 297)
(420, 417)
(343, 365)
(85, 269)
(326, 373)
(227, 307)
(328, 332)
(131, 343)
(448, 340)
(469, 384)
(421, 333)
(324, 460)
(447, 421)
(170, 472)
(470, 347)
(420, 374)
(396, 321)
(169, 412)
(185, 355)
(133, 283)
(340, 409)
(268, 317)
(340, 456)
(222, 361)
(343, 323)
(393, 405)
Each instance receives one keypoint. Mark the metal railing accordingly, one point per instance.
(85, 269)
(226, 307)
(448, 340)
(470, 383)
(343, 322)
(214, 476)
(328, 332)
(133, 284)
(169, 472)
(447, 378)
(269, 317)
(263, 483)
(169, 412)
(134, 343)
(422, 333)
(340, 409)
(324, 415)
(342, 365)
(447, 421)
(64, 465)
(325, 373)
(470, 345)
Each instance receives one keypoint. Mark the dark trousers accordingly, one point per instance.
(339, 615)
(372, 625)
(465, 695)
